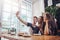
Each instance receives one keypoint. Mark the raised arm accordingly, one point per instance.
(17, 15)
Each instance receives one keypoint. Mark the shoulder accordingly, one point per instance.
(29, 24)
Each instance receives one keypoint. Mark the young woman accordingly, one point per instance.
(40, 24)
(49, 25)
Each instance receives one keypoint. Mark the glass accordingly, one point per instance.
(24, 17)
(14, 9)
(23, 11)
(29, 14)
(23, 5)
(7, 1)
(5, 16)
(14, 3)
(29, 19)
(6, 7)
(5, 23)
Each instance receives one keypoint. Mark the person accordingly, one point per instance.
(40, 24)
(49, 27)
(33, 25)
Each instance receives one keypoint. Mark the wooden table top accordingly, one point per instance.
(46, 38)
(42, 37)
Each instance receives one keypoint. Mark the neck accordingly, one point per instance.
(34, 23)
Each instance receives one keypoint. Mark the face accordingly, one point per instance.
(35, 20)
(44, 17)
(39, 19)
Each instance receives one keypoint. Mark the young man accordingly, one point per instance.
(33, 25)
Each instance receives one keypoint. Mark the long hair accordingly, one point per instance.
(40, 23)
(51, 24)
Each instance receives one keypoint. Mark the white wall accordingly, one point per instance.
(38, 8)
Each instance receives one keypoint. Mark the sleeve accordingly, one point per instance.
(29, 24)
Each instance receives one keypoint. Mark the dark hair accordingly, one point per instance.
(35, 17)
(41, 18)
(48, 16)
(51, 23)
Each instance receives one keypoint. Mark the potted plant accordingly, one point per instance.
(51, 9)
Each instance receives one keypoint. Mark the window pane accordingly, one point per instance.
(7, 7)
(24, 17)
(6, 16)
(14, 9)
(14, 3)
(29, 19)
(5, 23)
(29, 8)
(23, 11)
(23, 5)
(29, 14)
(7, 1)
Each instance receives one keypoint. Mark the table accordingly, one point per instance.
(41, 37)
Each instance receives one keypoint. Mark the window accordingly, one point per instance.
(26, 13)
(9, 9)
(8, 13)
(26, 9)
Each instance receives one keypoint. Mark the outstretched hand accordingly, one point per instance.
(17, 13)
(18, 16)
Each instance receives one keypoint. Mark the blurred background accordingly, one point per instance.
(27, 9)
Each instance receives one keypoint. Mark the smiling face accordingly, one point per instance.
(35, 19)
(40, 19)
(46, 16)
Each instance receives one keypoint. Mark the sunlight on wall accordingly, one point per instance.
(38, 8)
